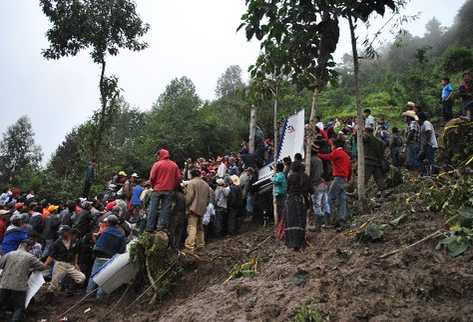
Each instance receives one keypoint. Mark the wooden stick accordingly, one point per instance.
(78, 303)
(259, 245)
(117, 302)
(435, 234)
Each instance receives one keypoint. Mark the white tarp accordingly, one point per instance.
(35, 282)
(116, 272)
(292, 141)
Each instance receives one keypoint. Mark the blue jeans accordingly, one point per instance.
(98, 263)
(338, 195)
(412, 156)
(320, 202)
(249, 204)
(157, 198)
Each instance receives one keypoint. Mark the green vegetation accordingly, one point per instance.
(157, 261)
(307, 314)
(248, 269)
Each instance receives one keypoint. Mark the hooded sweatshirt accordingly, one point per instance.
(111, 242)
(12, 238)
(165, 174)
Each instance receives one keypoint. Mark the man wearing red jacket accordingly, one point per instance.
(165, 178)
(341, 172)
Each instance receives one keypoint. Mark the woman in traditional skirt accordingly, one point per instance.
(298, 190)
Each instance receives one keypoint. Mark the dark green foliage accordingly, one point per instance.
(457, 60)
(297, 40)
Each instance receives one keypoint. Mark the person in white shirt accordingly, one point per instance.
(30, 195)
(369, 119)
(222, 168)
(319, 123)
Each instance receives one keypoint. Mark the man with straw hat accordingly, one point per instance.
(234, 203)
(197, 197)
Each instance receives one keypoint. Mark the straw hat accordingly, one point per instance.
(411, 114)
(235, 180)
(410, 104)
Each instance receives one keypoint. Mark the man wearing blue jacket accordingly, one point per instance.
(110, 242)
(14, 234)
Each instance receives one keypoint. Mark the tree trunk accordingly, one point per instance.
(275, 144)
(360, 124)
(97, 139)
(310, 130)
(275, 125)
(252, 129)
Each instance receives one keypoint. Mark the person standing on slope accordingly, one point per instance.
(164, 177)
(197, 195)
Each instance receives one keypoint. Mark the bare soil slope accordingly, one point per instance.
(342, 278)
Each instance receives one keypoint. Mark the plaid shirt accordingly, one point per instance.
(414, 132)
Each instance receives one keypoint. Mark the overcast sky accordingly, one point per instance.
(190, 38)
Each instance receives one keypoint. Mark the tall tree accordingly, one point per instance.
(354, 10)
(104, 27)
(297, 40)
(230, 82)
(19, 155)
(175, 121)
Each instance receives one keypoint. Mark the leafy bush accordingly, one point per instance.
(461, 233)
(449, 192)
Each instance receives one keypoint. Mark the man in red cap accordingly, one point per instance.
(164, 176)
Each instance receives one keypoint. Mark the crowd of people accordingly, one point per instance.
(205, 199)
(323, 193)
(71, 241)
